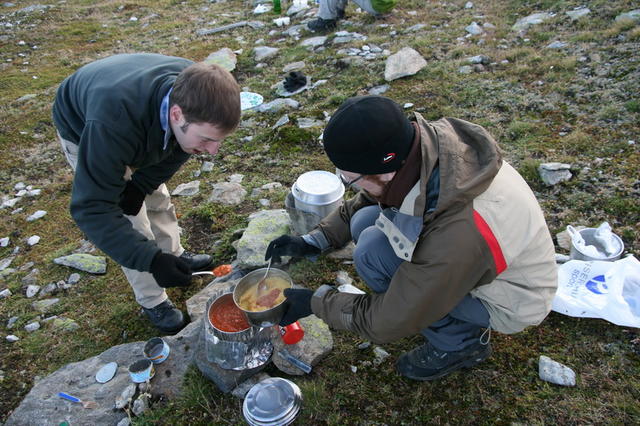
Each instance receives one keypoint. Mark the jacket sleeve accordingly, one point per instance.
(148, 179)
(420, 293)
(97, 186)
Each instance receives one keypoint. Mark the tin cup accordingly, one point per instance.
(141, 371)
(156, 350)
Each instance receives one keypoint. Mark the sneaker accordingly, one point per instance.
(166, 317)
(428, 363)
(321, 25)
(197, 262)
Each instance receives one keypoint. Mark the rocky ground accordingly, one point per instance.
(553, 81)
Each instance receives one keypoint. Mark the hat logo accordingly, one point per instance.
(390, 156)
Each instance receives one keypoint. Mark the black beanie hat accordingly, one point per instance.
(368, 135)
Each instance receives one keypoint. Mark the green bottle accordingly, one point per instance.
(277, 8)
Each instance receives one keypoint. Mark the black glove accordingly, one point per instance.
(170, 271)
(287, 245)
(298, 305)
(294, 81)
(131, 199)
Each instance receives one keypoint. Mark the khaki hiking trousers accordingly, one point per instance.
(157, 221)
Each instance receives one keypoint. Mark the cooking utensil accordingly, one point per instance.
(203, 273)
(261, 288)
(267, 317)
(85, 404)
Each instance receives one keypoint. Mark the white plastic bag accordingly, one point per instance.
(597, 289)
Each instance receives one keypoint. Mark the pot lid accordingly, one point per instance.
(318, 187)
(273, 401)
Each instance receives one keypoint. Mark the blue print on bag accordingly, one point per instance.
(597, 285)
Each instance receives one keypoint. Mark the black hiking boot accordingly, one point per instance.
(321, 25)
(197, 262)
(166, 317)
(428, 363)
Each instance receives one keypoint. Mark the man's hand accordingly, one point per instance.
(170, 271)
(287, 245)
(131, 199)
(298, 305)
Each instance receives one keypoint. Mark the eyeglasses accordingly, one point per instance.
(347, 183)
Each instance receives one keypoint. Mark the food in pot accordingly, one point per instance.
(256, 301)
(225, 315)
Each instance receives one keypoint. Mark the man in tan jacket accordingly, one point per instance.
(449, 238)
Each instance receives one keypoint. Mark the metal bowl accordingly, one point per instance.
(588, 235)
(270, 316)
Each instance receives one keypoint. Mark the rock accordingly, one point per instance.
(465, 69)
(554, 372)
(534, 19)
(140, 405)
(307, 123)
(187, 189)
(37, 215)
(228, 193)
(474, 29)
(403, 63)
(294, 66)
(236, 178)
(4, 263)
(207, 166)
(557, 45)
(554, 173)
(12, 339)
(33, 240)
(480, 59)
(468, 5)
(264, 52)
(5, 293)
(342, 278)
(65, 324)
(73, 278)
(241, 390)
(578, 13)
(278, 105)
(264, 226)
(124, 399)
(379, 90)
(32, 291)
(42, 405)
(31, 278)
(124, 422)
(380, 355)
(224, 58)
(84, 262)
(633, 15)
(44, 305)
(4, 242)
(49, 289)
(316, 344)
(253, 24)
(31, 327)
(313, 41)
(11, 322)
(281, 121)
(414, 28)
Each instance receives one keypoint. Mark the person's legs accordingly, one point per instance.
(330, 9)
(459, 328)
(367, 7)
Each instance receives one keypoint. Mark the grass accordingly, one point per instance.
(576, 105)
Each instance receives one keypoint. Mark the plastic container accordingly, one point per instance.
(273, 401)
(588, 236)
(318, 192)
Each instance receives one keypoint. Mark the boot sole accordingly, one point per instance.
(464, 364)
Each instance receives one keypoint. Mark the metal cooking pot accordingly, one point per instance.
(270, 316)
(318, 192)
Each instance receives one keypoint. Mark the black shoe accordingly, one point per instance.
(321, 25)
(428, 363)
(197, 262)
(166, 317)
(339, 13)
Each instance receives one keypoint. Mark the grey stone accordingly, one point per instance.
(4, 242)
(379, 90)
(32, 290)
(474, 29)
(307, 123)
(49, 289)
(380, 355)
(124, 422)
(236, 178)
(241, 390)
(11, 322)
(465, 69)
(44, 305)
(264, 52)
(43, 406)
(313, 41)
(557, 45)
(633, 15)
(404, 63)
(342, 277)
(31, 327)
(278, 105)
(187, 189)
(533, 19)
(140, 405)
(74, 278)
(31, 278)
(414, 28)
(554, 173)
(480, 59)
(554, 372)
(37, 215)
(11, 338)
(10, 202)
(468, 5)
(263, 227)
(5, 293)
(578, 13)
(124, 399)
(207, 166)
(294, 66)
(264, 202)
(253, 24)
(228, 193)
(84, 262)
(26, 97)
(281, 121)
(65, 324)
(224, 58)
(316, 344)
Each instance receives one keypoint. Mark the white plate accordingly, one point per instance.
(250, 100)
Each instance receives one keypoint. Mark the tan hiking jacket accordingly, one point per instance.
(487, 236)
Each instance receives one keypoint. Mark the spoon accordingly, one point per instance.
(203, 273)
(262, 285)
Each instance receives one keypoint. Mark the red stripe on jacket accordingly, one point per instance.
(492, 242)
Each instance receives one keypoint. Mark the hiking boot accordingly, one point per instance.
(339, 13)
(428, 363)
(321, 25)
(197, 262)
(166, 317)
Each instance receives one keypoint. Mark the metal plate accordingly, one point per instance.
(107, 372)
(250, 100)
(273, 401)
